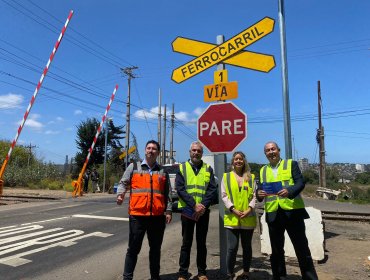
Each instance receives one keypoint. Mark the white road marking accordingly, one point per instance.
(18, 230)
(2, 228)
(100, 217)
(63, 239)
(24, 236)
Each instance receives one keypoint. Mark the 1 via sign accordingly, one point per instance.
(221, 91)
(226, 50)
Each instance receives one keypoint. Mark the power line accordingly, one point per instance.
(80, 34)
(46, 24)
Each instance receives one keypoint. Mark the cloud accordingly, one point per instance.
(77, 112)
(32, 122)
(51, 132)
(180, 116)
(198, 111)
(57, 119)
(11, 101)
(148, 114)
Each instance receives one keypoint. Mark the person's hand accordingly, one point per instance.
(283, 193)
(237, 212)
(168, 217)
(246, 213)
(261, 193)
(199, 208)
(120, 198)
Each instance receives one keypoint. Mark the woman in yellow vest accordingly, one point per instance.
(237, 190)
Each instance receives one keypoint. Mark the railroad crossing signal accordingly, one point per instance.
(229, 52)
(130, 151)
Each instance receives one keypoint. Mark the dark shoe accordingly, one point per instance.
(242, 276)
(230, 276)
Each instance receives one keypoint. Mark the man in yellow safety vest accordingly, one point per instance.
(285, 210)
(196, 187)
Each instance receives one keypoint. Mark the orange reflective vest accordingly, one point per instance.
(147, 194)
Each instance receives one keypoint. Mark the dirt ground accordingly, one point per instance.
(347, 249)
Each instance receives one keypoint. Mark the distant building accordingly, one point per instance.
(344, 181)
(303, 164)
(360, 168)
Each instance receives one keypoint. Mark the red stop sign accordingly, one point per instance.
(222, 127)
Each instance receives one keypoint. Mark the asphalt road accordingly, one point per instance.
(86, 238)
(65, 239)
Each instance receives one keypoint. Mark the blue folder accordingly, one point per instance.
(189, 213)
(272, 188)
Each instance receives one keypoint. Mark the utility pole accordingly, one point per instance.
(159, 123)
(172, 128)
(164, 136)
(284, 70)
(320, 140)
(127, 71)
(30, 147)
(65, 166)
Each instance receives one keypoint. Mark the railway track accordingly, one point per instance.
(346, 216)
(14, 199)
(337, 215)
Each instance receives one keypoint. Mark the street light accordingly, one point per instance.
(105, 150)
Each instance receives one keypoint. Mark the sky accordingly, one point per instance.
(327, 41)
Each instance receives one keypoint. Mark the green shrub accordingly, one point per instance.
(67, 186)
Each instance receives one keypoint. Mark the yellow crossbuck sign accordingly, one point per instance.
(229, 52)
(130, 151)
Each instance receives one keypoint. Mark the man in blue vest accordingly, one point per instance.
(285, 211)
(196, 187)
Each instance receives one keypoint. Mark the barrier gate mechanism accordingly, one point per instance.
(77, 184)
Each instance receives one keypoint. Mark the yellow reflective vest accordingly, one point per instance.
(284, 175)
(196, 185)
(240, 199)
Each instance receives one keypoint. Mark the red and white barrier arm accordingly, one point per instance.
(35, 93)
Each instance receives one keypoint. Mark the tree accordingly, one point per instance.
(255, 169)
(86, 132)
(363, 178)
(310, 176)
(332, 176)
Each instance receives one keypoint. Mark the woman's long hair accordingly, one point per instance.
(246, 170)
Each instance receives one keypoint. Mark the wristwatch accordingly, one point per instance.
(231, 208)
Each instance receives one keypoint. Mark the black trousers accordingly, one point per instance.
(86, 185)
(296, 230)
(187, 241)
(154, 227)
(232, 248)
